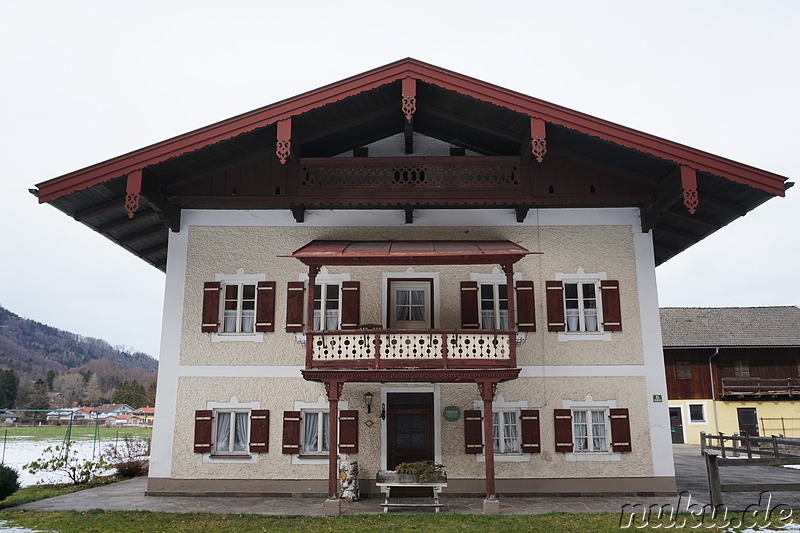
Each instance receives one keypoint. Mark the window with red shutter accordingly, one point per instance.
(469, 305)
(531, 439)
(294, 306)
(265, 307)
(612, 313)
(291, 432)
(348, 431)
(555, 306)
(562, 423)
(351, 303)
(526, 306)
(202, 431)
(259, 431)
(211, 293)
(620, 430)
(473, 432)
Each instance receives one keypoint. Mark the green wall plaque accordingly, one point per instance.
(657, 398)
(451, 413)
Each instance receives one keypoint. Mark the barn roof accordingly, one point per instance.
(688, 327)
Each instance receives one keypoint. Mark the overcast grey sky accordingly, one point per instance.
(87, 81)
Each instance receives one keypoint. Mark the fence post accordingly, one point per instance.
(714, 488)
(702, 442)
(775, 446)
(749, 446)
(722, 444)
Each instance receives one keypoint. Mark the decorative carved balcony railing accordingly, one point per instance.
(755, 387)
(377, 349)
(424, 172)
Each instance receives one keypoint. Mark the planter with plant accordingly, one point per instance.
(414, 472)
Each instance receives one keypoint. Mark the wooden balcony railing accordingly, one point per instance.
(758, 387)
(424, 349)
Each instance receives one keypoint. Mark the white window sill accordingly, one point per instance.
(506, 458)
(230, 458)
(237, 337)
(312, 459)
(563, 336)
(593, 456)
(698, 423)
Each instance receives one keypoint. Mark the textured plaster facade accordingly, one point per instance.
(199, 372)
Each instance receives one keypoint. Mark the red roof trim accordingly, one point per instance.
(226, 129)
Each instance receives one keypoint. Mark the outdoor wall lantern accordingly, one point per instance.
(368, 401)
(383, 411)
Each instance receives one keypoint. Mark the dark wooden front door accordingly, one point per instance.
(676, 425)
(409, 418)
(748, 421)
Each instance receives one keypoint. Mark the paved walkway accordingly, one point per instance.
(690, 475)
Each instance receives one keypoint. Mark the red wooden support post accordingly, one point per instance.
(689, 184)
(133, 191)
(487, 393)
(333, 444)
(538, 139)
(409, 105)
(283, 147)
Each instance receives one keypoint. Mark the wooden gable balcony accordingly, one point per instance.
(411, 349)
(752, 387)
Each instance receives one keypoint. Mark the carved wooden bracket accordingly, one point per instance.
(538, 139)
(133, 189)
(283, 147)
(334, 389)
(689, 183)
(409, 90)
(487, 389)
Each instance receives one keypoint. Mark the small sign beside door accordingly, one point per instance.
(657, 398)
(451, 413)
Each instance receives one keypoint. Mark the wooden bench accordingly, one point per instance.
(435, 487)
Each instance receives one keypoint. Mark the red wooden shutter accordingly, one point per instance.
(562, 421)
(259, 431)
(348, 431)
(473, 432)
(469, 305)
(202, 431)
(294, 307)
(291, 432)
(351, 303)
(531, 441)
(211, 290)
(612, 315)
(555, 306)
(265, 307)
(620, 430)
(526, 306)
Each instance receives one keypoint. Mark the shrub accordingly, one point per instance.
(9, 481)
(129, 457)
(64, 459)
(426, 470)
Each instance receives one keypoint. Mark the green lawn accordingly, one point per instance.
(38, 433)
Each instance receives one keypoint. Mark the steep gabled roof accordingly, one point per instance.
(185, 171)
(684, 327)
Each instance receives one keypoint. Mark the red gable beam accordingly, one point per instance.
(133, 190)
(283, 148)
(689, 184)
(409, 91)
(538, 142)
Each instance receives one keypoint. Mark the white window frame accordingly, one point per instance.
(321, 413)
(323, 308)
(495, 285)
(240, 278)
(589, 404)
(320, 405)
(702, 405)
(584, 277)
(233, 405)
(239, 307)
(582, 309)
(502, 406)
(232, 435)
(411, 285)
(409, 273)
(590, 429)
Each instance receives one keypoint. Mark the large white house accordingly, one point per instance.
(339, 286)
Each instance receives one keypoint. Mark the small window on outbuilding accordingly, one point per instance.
(741, 368)
(683, 370)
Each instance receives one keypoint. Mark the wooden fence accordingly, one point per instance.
(743, 450)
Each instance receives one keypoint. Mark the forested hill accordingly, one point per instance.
(32, 349)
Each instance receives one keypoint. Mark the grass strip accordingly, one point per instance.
(41, 433)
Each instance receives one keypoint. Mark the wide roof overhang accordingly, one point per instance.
(401, 253)
(200, 169)
(412, 375)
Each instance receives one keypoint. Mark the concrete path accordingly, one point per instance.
(689, 466)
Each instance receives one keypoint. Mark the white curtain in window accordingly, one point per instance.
(229, 321)
(401, 303)
(580, 433)
(590, 319)
(317, 314)
(223, 432)
(495, 432)
(573, 320)
(248, 320)
(417, 305)
(326, 424)
(487, 319)
(240, 442)
(503, 319)
(331, 319)
(598, 431)
(311, 434)
(510, 427)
